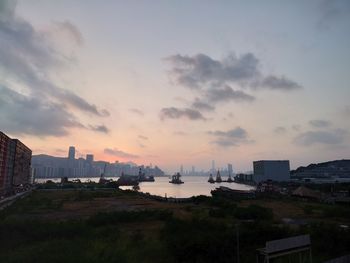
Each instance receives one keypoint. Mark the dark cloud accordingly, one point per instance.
(198, 70)
(177, 113)
(143, 137)
(279, 83)
(28, 58)
(201, 105)
(119, 153)
(136, 111)
(233, 137)
(320, 123)
(331, 137)
(331, 12)
(20, 114)
(280, 130)
(226, 93)
(99, 128)
(201, 71)
(212, 79)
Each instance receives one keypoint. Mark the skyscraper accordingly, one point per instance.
(15, 159)
(229, 169)
(89, 158)
(71, 153)
(213, 166)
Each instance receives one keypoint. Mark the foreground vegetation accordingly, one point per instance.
(74, 226)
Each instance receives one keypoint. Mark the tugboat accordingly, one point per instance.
(144, 178)
(229, 180)
(175, 179)
(218, 177)
(127, 180)
(211, 179)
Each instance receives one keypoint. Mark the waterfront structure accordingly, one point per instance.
(275, 170)
(46, 166)
(15, 160)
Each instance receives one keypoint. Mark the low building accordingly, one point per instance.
(275, 170)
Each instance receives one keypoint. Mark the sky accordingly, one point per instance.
(178, 82)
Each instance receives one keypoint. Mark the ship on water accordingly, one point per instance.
(175, 179)
(218, 177)
(211, 179)
(144, 178)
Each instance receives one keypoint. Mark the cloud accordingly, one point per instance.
(20, 114)
(119, 153)
(201, 105)
(320, 123)
(143, 137)
(212, 79)
(279, 83)
(180, 133)
(69, 30)
(233, 137)
(280, 130)
(201, 71)
(195, 71)
(136, 111)
(331, 137)
(28, 59)
(332, 11)
(99, 128)
(177, 113)
(227, 94)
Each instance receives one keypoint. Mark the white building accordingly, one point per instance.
(276, 170)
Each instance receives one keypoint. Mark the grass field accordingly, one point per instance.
(117, 226)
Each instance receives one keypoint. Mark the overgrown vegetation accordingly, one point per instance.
(208, 233)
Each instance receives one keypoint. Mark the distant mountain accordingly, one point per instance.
(337, 168)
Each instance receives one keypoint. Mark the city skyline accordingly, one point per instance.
(179, 83)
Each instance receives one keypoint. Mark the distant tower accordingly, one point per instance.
(71, 153)
(193, 170)
(229, 169)
(181, 169)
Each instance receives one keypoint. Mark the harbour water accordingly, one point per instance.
(193, 186)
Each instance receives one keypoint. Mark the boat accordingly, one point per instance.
(229, 180)
(211, 179)
(175, 179)
(128, 180)
(218, 177)
(144, 178)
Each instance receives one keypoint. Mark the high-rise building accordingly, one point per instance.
(21, 168)
(15, 159)
(275, 170)
(229, 169)
(90, 159)
(213, 166)
(71, 153)
(181, 169)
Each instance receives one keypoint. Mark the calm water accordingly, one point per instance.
(193, 185)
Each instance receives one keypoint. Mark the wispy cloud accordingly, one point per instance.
(178, 113)
(331, 137)
(233, 137)
(118, 153)
(136, 111)
(320, 123)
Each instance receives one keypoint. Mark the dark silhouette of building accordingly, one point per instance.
(15, 160)
(71, 153)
